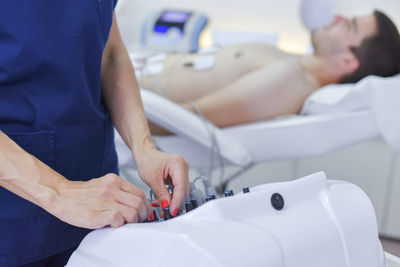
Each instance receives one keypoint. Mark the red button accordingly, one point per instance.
(151, 217)
(164, 204)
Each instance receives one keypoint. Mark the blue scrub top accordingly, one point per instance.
(51, 105)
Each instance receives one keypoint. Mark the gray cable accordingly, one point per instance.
(214, 142)
(152, 195)
(215, 147)
(196, 193)
(197, 178)
(221, 188)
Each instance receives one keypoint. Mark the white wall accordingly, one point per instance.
(250, 15)
(392, 221)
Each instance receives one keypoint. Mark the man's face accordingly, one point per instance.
(342, 34)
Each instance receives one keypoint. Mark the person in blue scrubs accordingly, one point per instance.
(65, 81)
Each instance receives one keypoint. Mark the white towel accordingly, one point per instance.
(380, 95)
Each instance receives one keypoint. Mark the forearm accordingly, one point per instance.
(28, 177)
(122, 95)
(107, 200)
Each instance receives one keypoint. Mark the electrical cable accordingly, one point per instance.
(216, 150)
(215, 147)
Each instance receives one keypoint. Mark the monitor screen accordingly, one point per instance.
(175, 16)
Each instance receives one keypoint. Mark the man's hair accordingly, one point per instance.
(379, 54)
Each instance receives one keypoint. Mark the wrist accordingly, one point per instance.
(49, 198)
(140, 149)
(56, 201)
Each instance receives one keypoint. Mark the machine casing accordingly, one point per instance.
(323, 223)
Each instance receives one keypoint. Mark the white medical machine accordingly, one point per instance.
(309, 222)
(173, 31)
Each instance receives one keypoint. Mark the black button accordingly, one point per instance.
(167, 214)
(246, 190)
(188, 206)
(277, 201)
(229, 193)
(155, 215)
(194, 203)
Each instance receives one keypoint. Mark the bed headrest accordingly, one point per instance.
(350, 97)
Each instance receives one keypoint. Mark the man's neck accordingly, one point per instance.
(320, 69)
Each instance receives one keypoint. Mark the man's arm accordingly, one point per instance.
(262, 94)
(122, 97)
(108, 200)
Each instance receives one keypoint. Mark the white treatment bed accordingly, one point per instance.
(338, 116)
(291, 137)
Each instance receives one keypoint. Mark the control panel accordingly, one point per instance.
(197, 198)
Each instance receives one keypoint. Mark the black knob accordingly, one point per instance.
(228, 193)
(194, 203)
(246, 190)
(188, 206)
(155, 215)
(212, 196)
(167, 215)
(277, 201)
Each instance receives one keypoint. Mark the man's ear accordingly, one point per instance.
(348, 62)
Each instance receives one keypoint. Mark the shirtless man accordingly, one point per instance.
(256, 82)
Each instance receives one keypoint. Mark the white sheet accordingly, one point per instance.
(379, 95)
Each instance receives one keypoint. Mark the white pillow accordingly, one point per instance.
(347, 97)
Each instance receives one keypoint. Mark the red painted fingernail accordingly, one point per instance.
(155, 205)
(164, 204)
(175, 212)
(151, 217)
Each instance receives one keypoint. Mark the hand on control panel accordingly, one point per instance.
(197, 198)
(158, 169)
